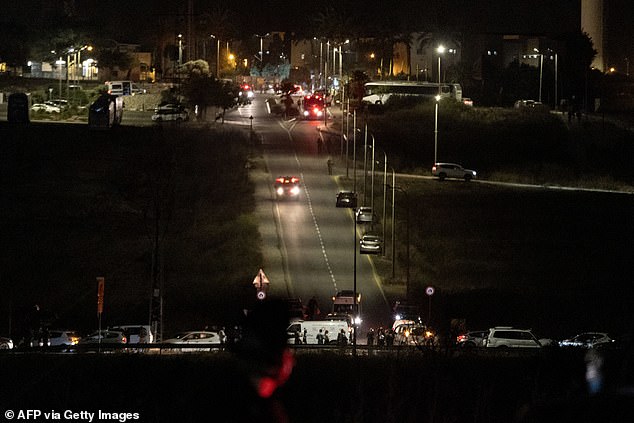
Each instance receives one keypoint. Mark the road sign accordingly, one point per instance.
(100, 289)
(429, 291)
(261, 281)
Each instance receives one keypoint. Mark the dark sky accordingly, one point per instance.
(129, 20)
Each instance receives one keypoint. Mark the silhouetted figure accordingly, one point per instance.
(264, 363)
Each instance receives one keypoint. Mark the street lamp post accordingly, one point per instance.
(541, 68)
(436, 130)
(180, 49)
(407, 281)
(440, 50)
(217, 55)
(60, 63)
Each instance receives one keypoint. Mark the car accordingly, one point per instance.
(106, 336)
(347, 199)
(452, 170)
(371, 244)
(287, 187)
(195, 338)
(58, 337)
(46, 108)
(414, 334)
(472, 339)
(365, 215)
(62, 104)
(170, 112)
(510, 337)
(136, 334)
(587, 340)
(6, 343)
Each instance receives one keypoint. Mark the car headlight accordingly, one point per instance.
(295, 190)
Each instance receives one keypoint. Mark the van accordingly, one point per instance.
(312, 328)
(119, 87)
(18, 108)
(136, 334)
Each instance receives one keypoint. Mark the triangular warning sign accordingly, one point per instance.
(261, 281)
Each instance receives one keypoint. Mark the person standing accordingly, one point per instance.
(370, 337)
(320, 338)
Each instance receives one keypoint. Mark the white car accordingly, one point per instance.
(370, 244)
(195, 338)
(587, 340)
(166, 114)
(63, 337)
(365, 215)
(452, 170)
(6, 343)
(509, 337)
(47, 108)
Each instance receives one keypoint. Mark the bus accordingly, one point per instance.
(378, 92)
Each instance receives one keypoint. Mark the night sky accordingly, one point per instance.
(134, 21)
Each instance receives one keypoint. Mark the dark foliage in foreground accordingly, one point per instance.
(79, 204)
(396, 387)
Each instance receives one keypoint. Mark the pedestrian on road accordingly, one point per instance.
(329, 163)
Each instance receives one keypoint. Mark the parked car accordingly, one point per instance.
(170, 112)
(587, 340)
(365, 215)
(414, 334)
(106, 337)
(47, 108)
(509, 337)
(472, 339)
(6, 343)
(347, 199)
(452, 170)
(370, 244)
(195, 338)
(58, 337)
(136, 334)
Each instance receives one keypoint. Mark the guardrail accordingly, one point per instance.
(361, 350)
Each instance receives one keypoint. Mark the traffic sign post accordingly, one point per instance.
(429, 291)
(261, 283)
(101, 281)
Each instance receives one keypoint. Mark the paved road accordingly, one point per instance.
(309, 245)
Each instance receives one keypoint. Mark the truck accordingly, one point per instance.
(343, 302)
(332, 328)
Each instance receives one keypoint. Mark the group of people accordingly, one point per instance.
(382, 337)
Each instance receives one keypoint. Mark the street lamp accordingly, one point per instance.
(440, 50)
(180, 49)
(261, 37)
(60, 62)
(437, 97)
(541, 67)
(394, 188)
(217, 55)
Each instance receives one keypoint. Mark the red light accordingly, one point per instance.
(124, 340)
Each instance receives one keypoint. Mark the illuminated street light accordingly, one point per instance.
(261, 37)
(217, 55)
(440, 50)
(436, 130)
